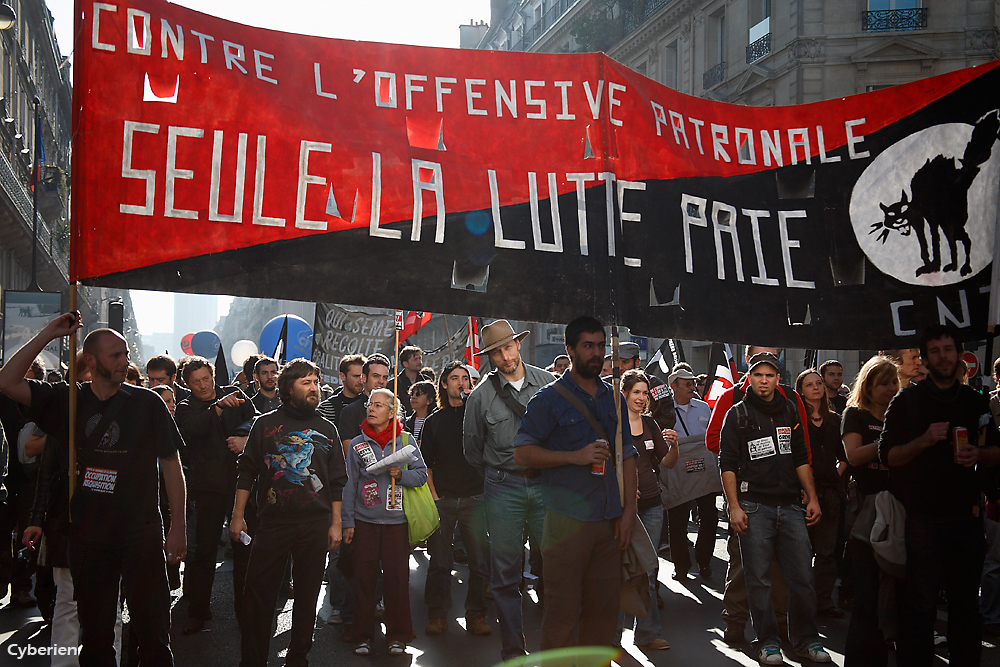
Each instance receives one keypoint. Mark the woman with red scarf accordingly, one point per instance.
(374, 522)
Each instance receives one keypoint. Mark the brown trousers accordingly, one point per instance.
(582, 573)
(390, 546)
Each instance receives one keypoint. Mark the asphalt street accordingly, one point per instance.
(691, 623)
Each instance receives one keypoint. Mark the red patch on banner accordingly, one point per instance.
(422, 133)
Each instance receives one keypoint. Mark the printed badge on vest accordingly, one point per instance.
(364, 450)
(394, 499)
(784, 439)
(761, 448)
(369, 492)
(695, 465)
(99, 479)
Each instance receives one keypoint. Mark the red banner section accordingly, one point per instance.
(197, 136)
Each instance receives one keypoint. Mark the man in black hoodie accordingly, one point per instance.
(936, 478)
(457, 488)
(294, 458)
(214, 422)
(765, 467)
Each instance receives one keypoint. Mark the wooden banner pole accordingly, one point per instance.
(72, 397)
(395, 399)
(617, 375)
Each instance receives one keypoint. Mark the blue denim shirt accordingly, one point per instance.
(551, 422)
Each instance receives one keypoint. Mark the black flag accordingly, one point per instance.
(221, 368)
(281, 349)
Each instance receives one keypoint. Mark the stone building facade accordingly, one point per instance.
(761, 53)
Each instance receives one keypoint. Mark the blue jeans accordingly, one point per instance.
(647, 629)
(513, 503)
(779, 532)
(468, 514)
(339, 591)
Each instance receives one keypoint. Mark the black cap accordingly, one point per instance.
(764, 358)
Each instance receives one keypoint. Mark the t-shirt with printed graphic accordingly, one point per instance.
(874, 475)
(296, 459)
(117, 498)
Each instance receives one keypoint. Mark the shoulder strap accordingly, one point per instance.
(507, 398)
(681, 420)
(792, 412)
(743, 421)
(104, 424)
(581, 408)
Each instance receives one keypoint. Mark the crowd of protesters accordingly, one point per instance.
(887, 484)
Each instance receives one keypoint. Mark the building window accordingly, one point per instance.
(759, 39)
(882, 5)
(671, 69)
(759, 11)
(892, 15)
(715, 38)
(715, 44)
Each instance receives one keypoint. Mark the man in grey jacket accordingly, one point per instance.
(512, 493)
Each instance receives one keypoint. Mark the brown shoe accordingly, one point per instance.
(479, 626)
(656, 645)
(437, 626)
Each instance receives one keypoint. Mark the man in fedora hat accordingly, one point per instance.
(512, 492)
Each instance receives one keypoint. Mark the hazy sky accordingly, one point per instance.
(417, 22)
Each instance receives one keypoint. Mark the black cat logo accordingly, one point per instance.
(940, 203)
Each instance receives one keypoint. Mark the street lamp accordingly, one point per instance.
(36, 182)
(7, 16)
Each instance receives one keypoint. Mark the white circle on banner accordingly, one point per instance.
(885, 194)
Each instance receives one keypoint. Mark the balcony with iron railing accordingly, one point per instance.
(714, 76)
(635, 16)
(888, 20)
(758, 49)
(551, 16)
(14, 177)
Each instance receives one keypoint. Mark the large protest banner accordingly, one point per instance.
(339, 330)
(215, 157)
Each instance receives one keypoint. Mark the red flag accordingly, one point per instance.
(472, 343)
(723, 368)
(411, 325)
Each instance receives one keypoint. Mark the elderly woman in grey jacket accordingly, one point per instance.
(373, 520)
